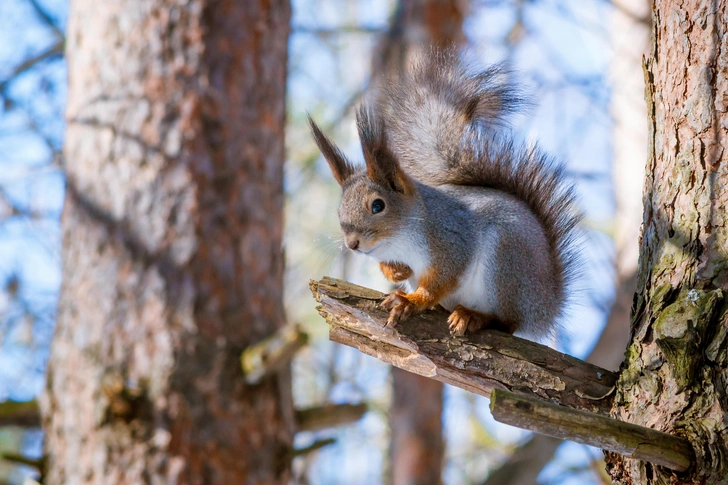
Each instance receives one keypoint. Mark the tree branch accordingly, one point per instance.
(552, 393)
(272, 353)
(45, 16)
(609, 434)
(20, 413)
(526, 462)
(17, 459)
(26, 414)
(484, 361)
(54, 50)
(316, 445)
(329, 416)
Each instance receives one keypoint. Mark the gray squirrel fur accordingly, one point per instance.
(470, 220)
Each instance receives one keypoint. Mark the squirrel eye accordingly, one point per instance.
(377, 206)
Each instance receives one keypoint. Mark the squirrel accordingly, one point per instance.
(452, 207)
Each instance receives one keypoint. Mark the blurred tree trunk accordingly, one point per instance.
(630, 35)
(675, 376)
(630, 38)
(416, 26)
(172, 260)
(417, 447)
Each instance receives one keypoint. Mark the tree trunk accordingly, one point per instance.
(417, 447)
(675, 377)
(172, 260)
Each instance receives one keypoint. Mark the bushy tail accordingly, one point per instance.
(444, 124)
(431, 108)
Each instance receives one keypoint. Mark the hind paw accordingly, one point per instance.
(463, 320)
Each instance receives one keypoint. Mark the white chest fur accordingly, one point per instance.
(404, 248)
(476, 287)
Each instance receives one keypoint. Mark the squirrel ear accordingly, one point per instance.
(340, 166)
(382, 166)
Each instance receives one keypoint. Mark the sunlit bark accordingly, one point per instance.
(172, 259)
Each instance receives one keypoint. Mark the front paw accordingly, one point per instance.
(395, 272)
(400, 307)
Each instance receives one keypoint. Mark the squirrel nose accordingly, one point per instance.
(352, 243)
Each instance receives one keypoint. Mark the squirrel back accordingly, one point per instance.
(445, 124)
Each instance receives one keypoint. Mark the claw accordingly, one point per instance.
(393, 299)
(458, 323)
(463, 320)
(400, 307)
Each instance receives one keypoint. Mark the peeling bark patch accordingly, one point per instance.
(699, 104)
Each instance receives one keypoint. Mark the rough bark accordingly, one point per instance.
(675, 376)
(172, 260)
(417, 446)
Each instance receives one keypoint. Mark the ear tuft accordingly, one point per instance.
(382, 166)
(341, 168)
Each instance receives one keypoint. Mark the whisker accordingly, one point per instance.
(322, 255)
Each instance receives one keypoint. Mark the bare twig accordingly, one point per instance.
(37, 463)
(17, 210)
(316, 445)
(55, 49)
(525, 464)
(40, 11)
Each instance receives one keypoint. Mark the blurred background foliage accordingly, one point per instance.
(560, 51)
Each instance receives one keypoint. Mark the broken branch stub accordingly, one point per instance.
(609, 434)
(272, 353)
(20, 413)
(329, 416)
